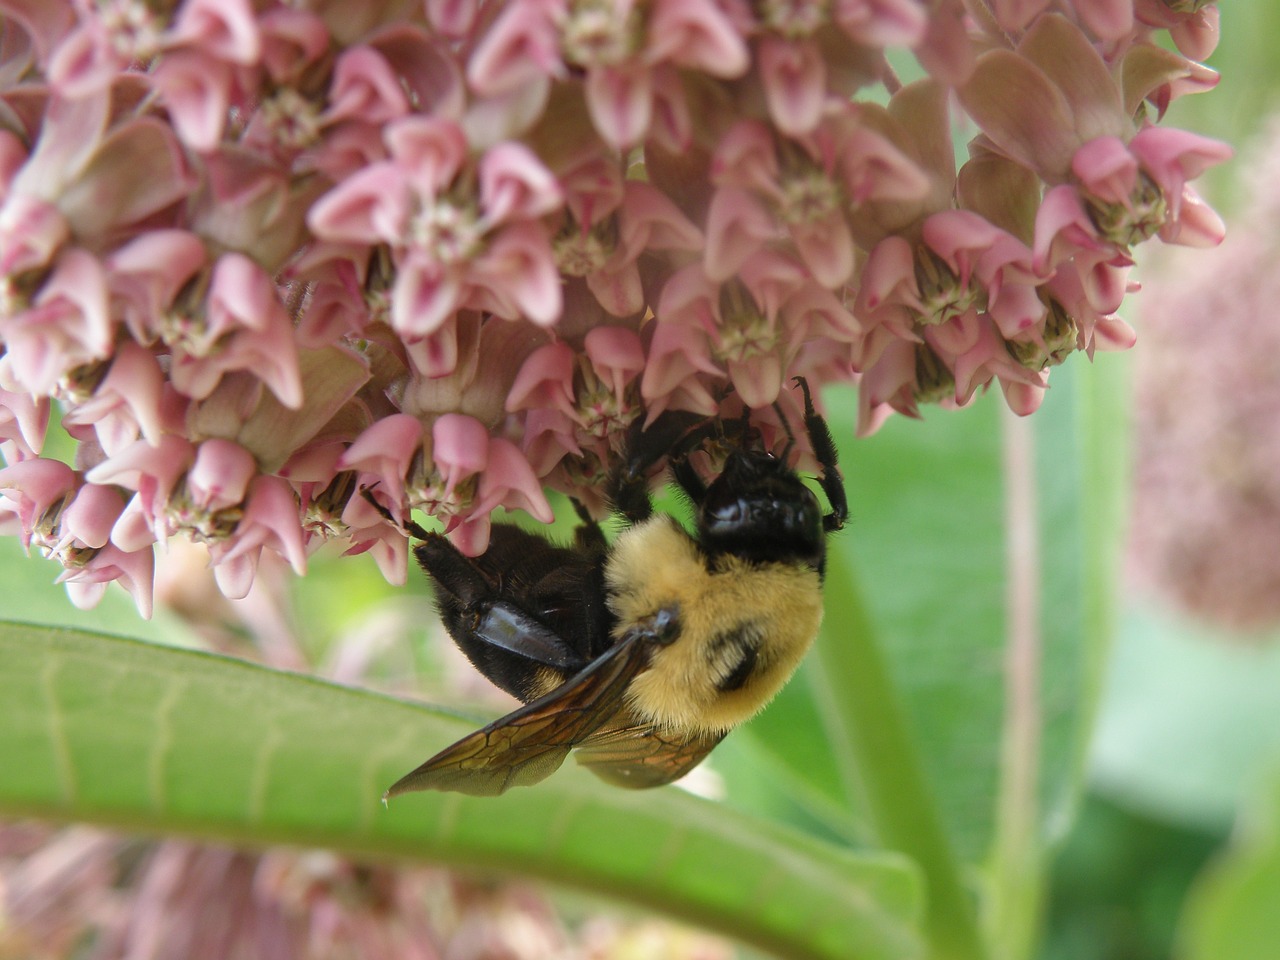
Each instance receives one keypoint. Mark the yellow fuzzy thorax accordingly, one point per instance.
(656, 564)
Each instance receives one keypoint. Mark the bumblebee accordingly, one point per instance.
(643, 654)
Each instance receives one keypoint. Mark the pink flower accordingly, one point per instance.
(245, 328)
(67, 326)
(452, 254)
(626, 51)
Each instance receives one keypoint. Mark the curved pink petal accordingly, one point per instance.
(738, 225)
(1174, 156)
(1107, 19)
(883, 23)
(270, 520)
(1197, 224)
(520, 47)
(519, 266)
(227, 28)
(794, 77)
(424, 297)
(650, 220)
(364, 87)
(514, 183)
(620, 102)
(508, 481)
(696, 34)
(459, 449)
(196, 89)
(133, 570)
(757, 380)
(618, 288)
(545, 380)
(91, 515)
(220, 475)
(370, 206)
(241, 295)
(428, 151)
(384, 450)
(1107, 169)
(617, 355)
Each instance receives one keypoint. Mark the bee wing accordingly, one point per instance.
(641, 755)
(528, 745)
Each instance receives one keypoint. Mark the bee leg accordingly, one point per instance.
(453, 572)
(670, 436)
(410, 526)
(588, 538)
(824, 450)
(688, 479)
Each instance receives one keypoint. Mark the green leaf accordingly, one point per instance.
(131, 735)
(1232, 910)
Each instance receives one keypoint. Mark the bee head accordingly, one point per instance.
(759, 510)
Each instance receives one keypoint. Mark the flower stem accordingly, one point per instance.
(1016, 878)
(882, 769)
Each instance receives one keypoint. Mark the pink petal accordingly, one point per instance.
(620, 102)
(519, 48)
(31, 231)
(616, 354)
(241, 295)
(424, 297)
(91, 515)
(677, 355)
(133, 570)
(826, 246)
(514, 183)
(1107, 169)
(519, 266)
(196, 90)
(545, 380)
(1198, 224)
(220, 475)
(1107, 19)
(883, 23)
(428, 151)
(649, 219)
(370, 206)
(364, 87)
(226, 29)
(696, 34)
(758, 381)
(618, 289)
(271, 520)
(459, 449)
(794, 77)
(737, 226)
(1174, 156)
(508, 481)
(384, 450)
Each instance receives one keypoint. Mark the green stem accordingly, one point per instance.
(1016, 876)
(867, 725)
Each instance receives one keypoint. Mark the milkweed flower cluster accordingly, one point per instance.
(1206, 475)
(288, 271)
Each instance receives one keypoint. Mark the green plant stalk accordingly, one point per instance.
(1016, 879)
(866, 723)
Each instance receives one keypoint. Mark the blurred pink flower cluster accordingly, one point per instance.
(1205, 515)
(269, 259)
